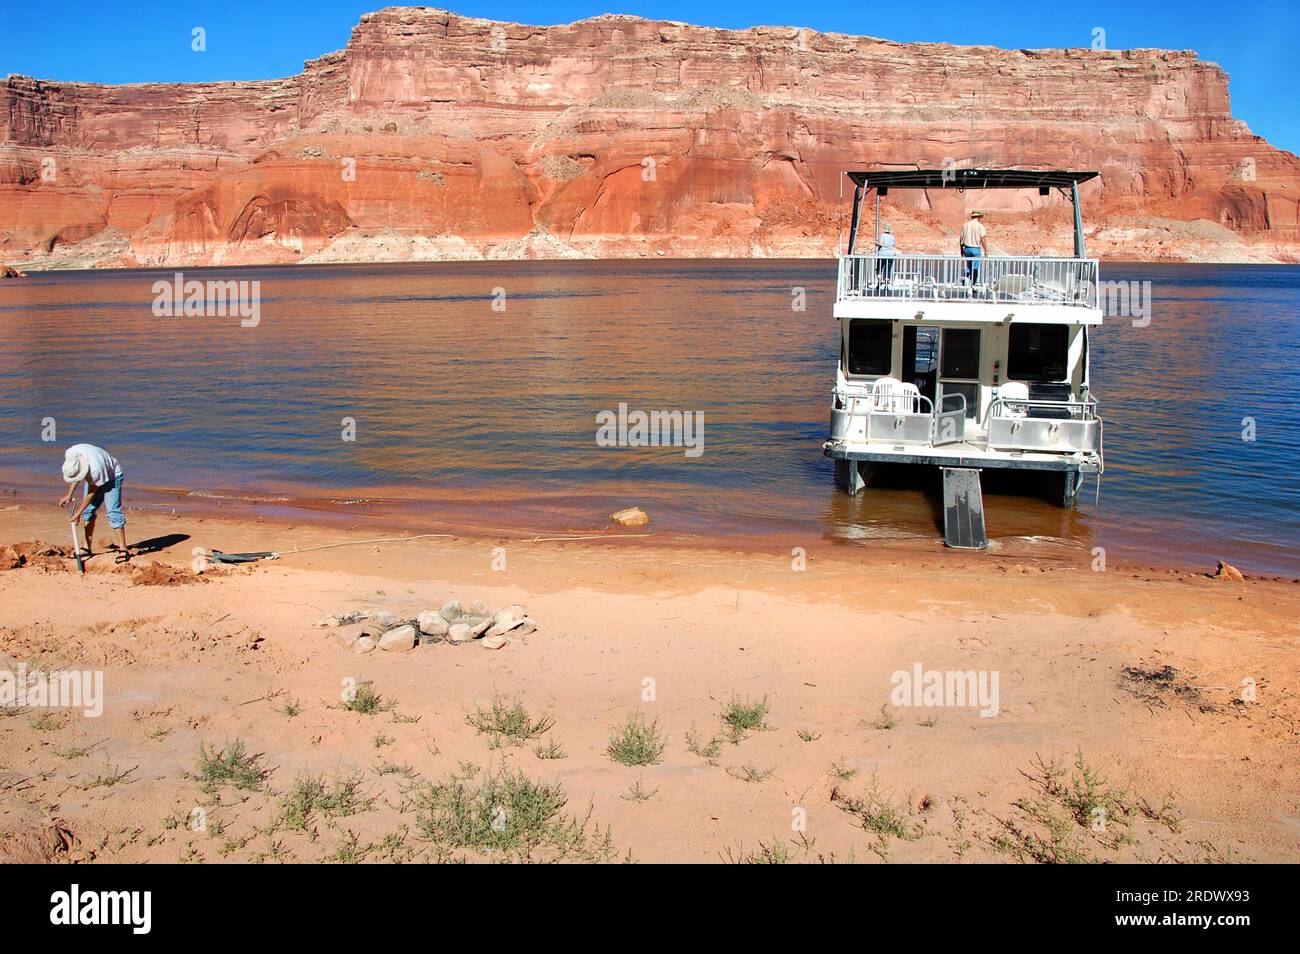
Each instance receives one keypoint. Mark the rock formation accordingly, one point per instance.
(438, 136)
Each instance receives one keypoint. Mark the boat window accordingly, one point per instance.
(1037, 352)
(871, 346)
(961, 353)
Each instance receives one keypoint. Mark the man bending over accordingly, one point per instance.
(103, 478)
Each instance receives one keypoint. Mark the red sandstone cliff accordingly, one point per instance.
(433, 135)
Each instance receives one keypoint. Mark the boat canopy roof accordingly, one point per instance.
(1044, 180)
(969, 178)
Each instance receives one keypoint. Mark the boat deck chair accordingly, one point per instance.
(1011, 394)
(1013, 286)
(894, 396)
(1056, 392)
(1057, 288)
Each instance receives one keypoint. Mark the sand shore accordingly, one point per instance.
(1136, 675)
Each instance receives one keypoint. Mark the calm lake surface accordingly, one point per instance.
(471, 416)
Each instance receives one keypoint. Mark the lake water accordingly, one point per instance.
(477, 416)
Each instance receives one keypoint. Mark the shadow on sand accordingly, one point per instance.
(156, 544)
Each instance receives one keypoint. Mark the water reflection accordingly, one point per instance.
(489, 416)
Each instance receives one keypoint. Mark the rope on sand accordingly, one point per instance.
(349, 543)
(425, 536)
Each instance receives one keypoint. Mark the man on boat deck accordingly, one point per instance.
(973, 244)
(886, 249)
(103, 477)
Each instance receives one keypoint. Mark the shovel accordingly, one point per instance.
(76, 545)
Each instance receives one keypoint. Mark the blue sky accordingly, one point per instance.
(1257, 43)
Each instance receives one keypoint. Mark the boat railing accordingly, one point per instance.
(1010, 424)
(897, 418)
(1019, 408)
(1019, 424)
(992, 278)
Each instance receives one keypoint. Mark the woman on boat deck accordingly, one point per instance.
(103, 478)
(886, 249)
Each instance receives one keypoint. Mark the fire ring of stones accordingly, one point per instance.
(366, 632)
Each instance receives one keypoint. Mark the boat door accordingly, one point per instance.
(959, 370)
(921, 359)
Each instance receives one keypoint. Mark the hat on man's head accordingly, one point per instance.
(886, 228)
(75, 468)
(977, 214)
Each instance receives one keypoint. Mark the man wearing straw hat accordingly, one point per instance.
(103, 478)
(886, 250)
(973, 244)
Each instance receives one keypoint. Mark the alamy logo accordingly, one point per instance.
(651, 429)
(134, 908)
(63, 688)
(1125, 299)
(956, 689)
(210, 299)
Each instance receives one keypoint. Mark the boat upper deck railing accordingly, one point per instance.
(993, 278)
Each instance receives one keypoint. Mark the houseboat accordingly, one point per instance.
(964, 363)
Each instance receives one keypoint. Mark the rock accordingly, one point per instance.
(514, 609)
(450, 610)
(384, 618)
(399, 640)
(514, 625)
(347, 635)
(328, 621)
(7, 272)
(1227, 571)
(364, 645)
(431, 623)
(631, 517)
(477, 627)
(458, 633)
(493, 642)
(478, 609)
(503, 624)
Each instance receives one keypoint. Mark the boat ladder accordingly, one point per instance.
(963, 509)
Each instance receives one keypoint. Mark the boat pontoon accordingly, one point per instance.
(965, 363)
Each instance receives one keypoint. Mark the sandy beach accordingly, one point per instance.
(1140, 714)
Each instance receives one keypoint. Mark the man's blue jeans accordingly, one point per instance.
(110, 496)
(972, 268)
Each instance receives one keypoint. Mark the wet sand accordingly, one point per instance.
(836, 772)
